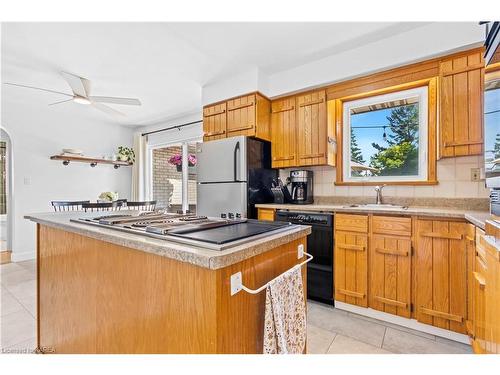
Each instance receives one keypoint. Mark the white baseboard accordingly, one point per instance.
(404, 322)
(19, 257)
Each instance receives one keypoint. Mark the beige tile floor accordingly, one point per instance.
(330, 331)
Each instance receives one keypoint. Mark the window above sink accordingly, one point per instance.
(388, 136)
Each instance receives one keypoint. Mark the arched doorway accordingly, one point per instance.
(5, 197)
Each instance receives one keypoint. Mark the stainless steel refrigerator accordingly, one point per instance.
(234, 174)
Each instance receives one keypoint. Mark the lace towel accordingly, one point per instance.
(285, 315)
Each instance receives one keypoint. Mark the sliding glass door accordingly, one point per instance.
(173, 176)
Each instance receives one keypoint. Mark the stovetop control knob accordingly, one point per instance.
(230, 215)
(223, 216)
(238, 215)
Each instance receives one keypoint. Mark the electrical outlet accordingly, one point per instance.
(475, 174)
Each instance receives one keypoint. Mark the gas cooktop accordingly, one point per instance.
(203, 231)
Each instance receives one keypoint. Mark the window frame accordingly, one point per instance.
(427, 170)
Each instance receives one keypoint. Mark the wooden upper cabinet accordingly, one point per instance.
(461, 105)
(313, 134)
(283, 133)
(214, 122)
(249, 115)
(441, 274)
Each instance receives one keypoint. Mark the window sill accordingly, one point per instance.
(388, 183)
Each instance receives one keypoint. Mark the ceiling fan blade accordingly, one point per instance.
(62, 101)
(108, 110)
(77, 84)
(37, 88)
(114, 100)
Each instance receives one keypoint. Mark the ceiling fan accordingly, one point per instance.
(81, 95)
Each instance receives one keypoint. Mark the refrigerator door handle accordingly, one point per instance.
(235, 160)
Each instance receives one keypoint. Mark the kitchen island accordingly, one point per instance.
(104, 291)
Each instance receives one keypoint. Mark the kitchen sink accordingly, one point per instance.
(374, 206)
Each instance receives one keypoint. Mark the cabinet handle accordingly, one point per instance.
(350, 293)
(480, 279)
(284, 109)
(240, 106)
(351, 247)
(391, 252)
(279, 158)
(446, 236)
(240, 128)
(310, 156)
(391, 302)
(215, 113)
(442, 315)
(318, 101)
(214, 133)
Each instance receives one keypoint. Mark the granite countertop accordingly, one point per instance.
(478, 218)
(212, 259)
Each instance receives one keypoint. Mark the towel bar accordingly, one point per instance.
(237, 282)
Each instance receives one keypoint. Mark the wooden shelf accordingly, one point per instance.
(66, 159)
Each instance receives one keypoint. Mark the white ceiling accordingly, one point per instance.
(165, 65)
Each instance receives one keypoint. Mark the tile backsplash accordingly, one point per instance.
(453, 174)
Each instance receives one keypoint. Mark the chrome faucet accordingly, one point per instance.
(378, 190)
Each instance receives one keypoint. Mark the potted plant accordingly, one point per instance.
(126, 154)
(108, 196)
(177, 161)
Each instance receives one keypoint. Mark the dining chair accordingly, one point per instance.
(104, 206)
(144, 205)
(68, 205)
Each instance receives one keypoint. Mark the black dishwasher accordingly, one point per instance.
(320, 246)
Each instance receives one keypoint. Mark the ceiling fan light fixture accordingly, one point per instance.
(81, 100)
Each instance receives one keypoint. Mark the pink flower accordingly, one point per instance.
(177, 160)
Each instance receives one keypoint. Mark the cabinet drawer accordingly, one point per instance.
(351, 223)
(398, 226)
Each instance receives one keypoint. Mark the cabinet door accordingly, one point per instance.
(492, 300)
(266, 214)
(241, 116)
(311, 128)
(283, 133)
(390, 274)
(441, 274)
(470, 246)
(461, 105)
(214, 122)
(479, 285)
(351, 268)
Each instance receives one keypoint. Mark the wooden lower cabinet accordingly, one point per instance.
(470, 246)
(478, 286)
(441, 274)
(492, 300)
(390, 274)
(266, 214)
(351, 268)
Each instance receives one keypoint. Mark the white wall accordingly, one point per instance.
(417, 44)
(38, 132)
(239, 84)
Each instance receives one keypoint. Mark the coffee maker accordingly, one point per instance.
(302, 187)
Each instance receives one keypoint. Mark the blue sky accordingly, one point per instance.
(365, 137)
(491, 103)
